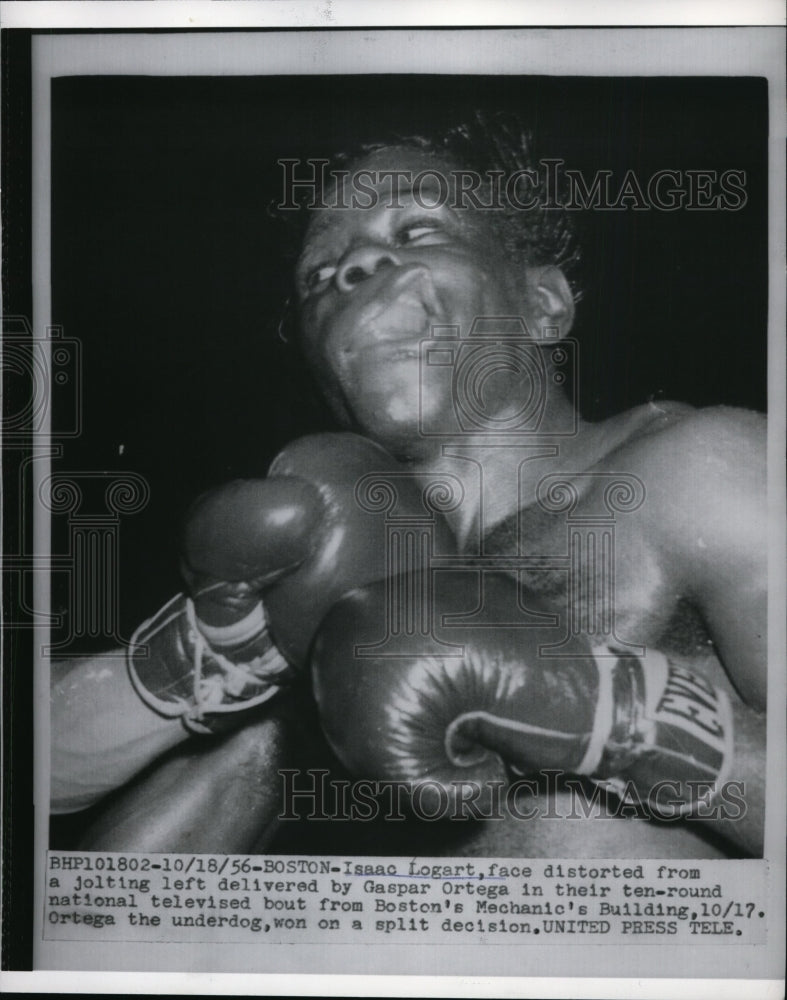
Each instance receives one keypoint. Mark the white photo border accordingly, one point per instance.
(642, 52)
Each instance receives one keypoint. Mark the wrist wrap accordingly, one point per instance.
(180, 674)
(664, 728)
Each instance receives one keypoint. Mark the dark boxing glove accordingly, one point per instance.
(351, 545)
(438, 723)
(208, 655)
(264, 560)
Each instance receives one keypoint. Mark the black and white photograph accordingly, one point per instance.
(405, 528)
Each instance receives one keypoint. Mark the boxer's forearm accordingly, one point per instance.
(738, 809)
(102, 733)
(213, 796)
(706, 759)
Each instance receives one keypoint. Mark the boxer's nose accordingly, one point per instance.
(362, 263)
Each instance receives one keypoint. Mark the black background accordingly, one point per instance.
(171, 273)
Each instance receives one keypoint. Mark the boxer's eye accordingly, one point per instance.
(318, 276)
(419, 232)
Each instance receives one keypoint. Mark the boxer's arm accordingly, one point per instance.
(738, 810)
(210, 796)
(112, 715)
(201, 663)
(102, 733)
(210, 662)
(709, 517)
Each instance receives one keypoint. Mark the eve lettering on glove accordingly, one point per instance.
(692, 698)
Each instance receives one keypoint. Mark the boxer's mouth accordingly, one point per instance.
(399, 316)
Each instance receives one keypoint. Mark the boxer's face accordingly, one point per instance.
(372, 282)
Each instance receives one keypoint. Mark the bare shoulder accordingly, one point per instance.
(716, 442)
(714, 426)
(702, 468)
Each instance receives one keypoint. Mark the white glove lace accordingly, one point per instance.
(234, 678)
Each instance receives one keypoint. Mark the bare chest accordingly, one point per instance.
(602, 576)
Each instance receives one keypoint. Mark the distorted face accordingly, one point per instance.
(372, 282)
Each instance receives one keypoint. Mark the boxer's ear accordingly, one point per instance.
(550, 303)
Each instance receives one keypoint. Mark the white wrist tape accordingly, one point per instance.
(605, 713)
(236, 634)
(666, 724)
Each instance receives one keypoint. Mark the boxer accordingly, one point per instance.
(690, 561)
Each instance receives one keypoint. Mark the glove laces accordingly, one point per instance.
(209, 691)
